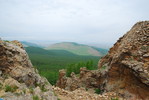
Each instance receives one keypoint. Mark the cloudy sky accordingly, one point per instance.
(83, 21)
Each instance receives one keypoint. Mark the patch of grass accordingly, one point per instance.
(43, 89)
(145, 47)
(97, 91)
(35, 69)
(35, 97)
(46, 83)
(31, 90)
(77, 75)
(103, 67)
(55, 94)
(1, 86)
(24, 91)
(10, 89)
(131, 59)
(114, 98)
(5, 76)
(86, 89)
(134, 55)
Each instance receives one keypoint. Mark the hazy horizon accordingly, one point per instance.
(85, 21)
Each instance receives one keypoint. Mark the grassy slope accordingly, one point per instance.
(75, 48)
(48, 62)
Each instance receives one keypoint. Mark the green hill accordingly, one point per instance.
(41, 51)
(49, 62)
(28, 44)
(78, 49)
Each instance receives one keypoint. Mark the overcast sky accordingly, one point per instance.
(83, 21)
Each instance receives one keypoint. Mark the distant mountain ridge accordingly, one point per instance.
(79, 49)
(41, 51)
(71, 47)
(29, 44)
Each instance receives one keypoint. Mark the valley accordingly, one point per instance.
(49, 62)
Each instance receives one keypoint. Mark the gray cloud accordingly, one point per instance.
(86, 21)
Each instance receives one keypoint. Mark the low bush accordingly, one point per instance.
(10, 89)
(35, 97)
(97, 91)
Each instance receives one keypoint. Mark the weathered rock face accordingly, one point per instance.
(127, 64)
(18, 78)
(86, 79)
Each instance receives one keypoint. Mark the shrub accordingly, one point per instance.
(43, 89)
(10, 89)
(145, 47)
(1, 86)
(35, 97)
(31, 90)
(24, 91)
(103, 67)
(86, 89)
(98, 91)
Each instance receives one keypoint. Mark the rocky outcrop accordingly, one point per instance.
(124, 70)
(86, 79)
(19, 80)
(127, 64)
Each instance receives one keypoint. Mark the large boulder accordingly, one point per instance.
(86, 79)
(127, 64)
(19, 80)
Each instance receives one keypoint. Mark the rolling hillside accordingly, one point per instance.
(55, 57)
(78, 49)
(49, 62)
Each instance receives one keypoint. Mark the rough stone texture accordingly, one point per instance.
(127, 64)
(124, 70)
(82, 94)
(18, 78)
(86, 79)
